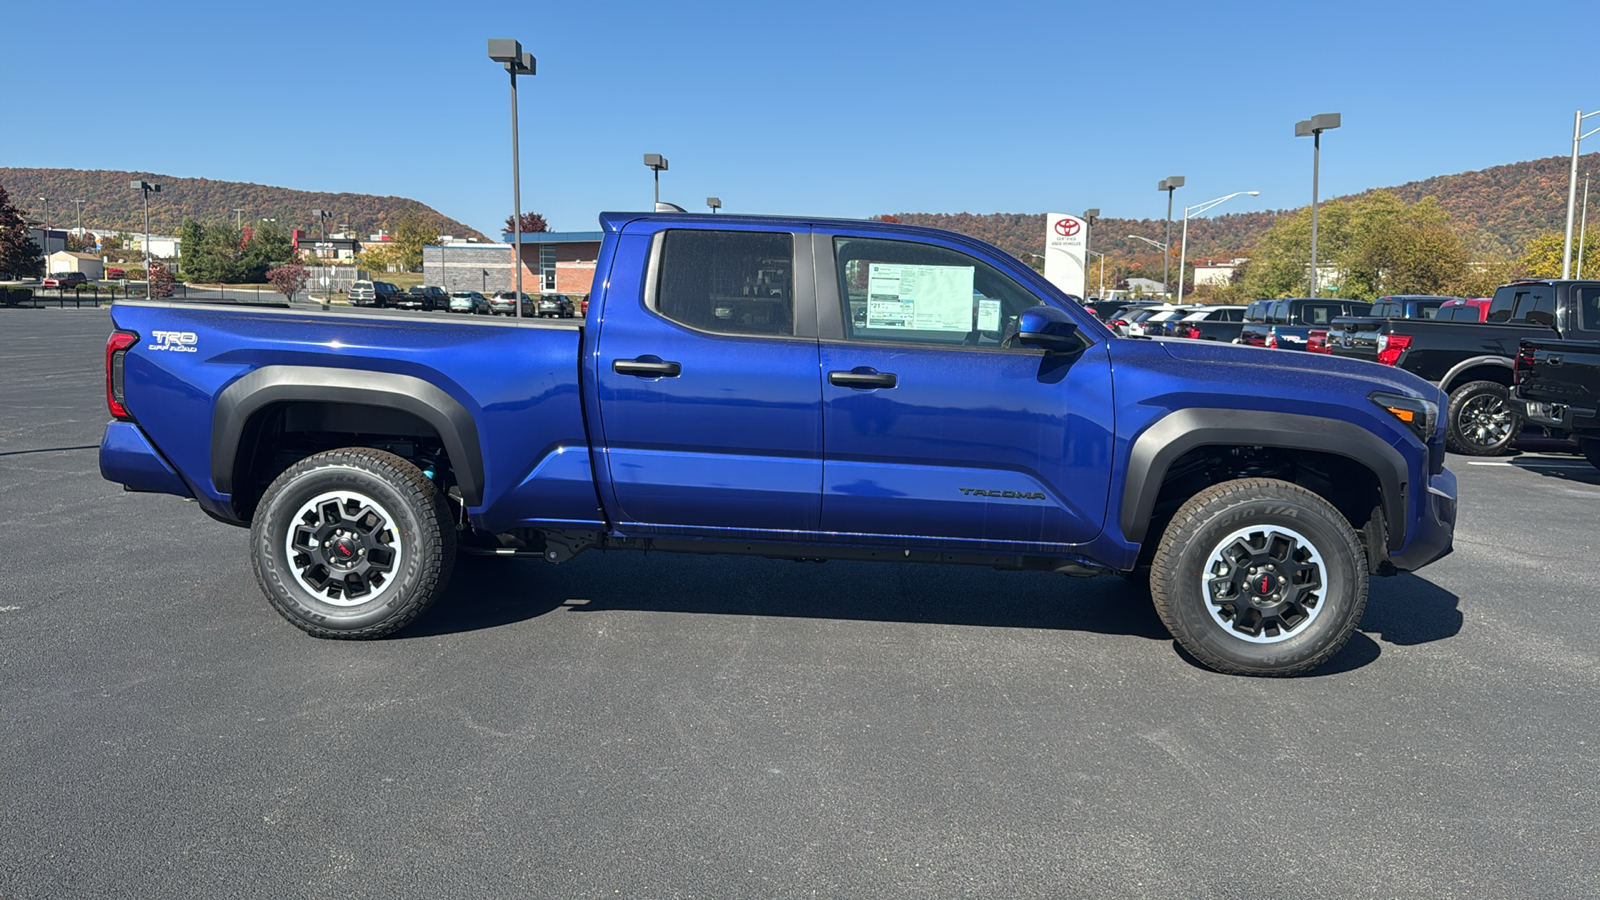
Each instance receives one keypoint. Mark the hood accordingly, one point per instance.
(1294, 371)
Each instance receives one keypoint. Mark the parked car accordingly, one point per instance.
(424, 297)
(1348, 331)
(1286, 322)
(1211, 323)
(115, 273)
(65, 280)
(1475, 363)
(1161, 322)
(1463, 310)
(504, 303)
(379, 294)
(1259, 491)
(470, 302)
(1557, 382)
(556, 306)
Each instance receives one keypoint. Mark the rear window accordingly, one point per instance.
(1589, 308)
(739, 282)
(1534, 304)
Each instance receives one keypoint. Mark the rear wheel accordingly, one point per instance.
(1591, 449)
(1481, 420)
(1259, 577)
(352, 543)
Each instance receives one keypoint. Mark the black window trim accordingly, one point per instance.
(804, 289)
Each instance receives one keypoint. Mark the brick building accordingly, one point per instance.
(553, 262)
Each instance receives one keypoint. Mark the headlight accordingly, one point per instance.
(1420, 415)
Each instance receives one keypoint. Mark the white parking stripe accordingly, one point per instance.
(1554, 463)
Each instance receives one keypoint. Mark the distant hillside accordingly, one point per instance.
(110, 205)
(1500, 209)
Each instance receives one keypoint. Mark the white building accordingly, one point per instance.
(1147, 286)
(1217, 272)
(161, 247)
(68, 261)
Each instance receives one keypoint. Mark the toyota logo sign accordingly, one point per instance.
(1067, 227)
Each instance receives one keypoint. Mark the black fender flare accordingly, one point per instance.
(1466, 365)
(1158, 446)
(276, 384)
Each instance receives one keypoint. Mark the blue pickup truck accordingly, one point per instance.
(790, 388)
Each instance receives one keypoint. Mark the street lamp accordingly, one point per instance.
(509, 53)
(148, 189)
(656, 163)
(1164, 248)
(238, 219)
(1313, 128)
(47, 234)
(1168, 184)
(1197, 209)
(1572, 186)
(80, 218)
(1102, 271)
(715, 203)
(1583, 227)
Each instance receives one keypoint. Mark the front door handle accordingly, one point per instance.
(647, 367)
(863, 379)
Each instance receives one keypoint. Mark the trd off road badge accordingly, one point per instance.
(176, 341)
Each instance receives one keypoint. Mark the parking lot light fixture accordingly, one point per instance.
(656, 163)
(1156, 244)
(715, 203)
(1169, 184)
(1197, 209)
(147, 188)
(1578, 134)
(509, 54)
(1313, 128)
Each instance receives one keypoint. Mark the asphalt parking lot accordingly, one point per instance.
(675, 726)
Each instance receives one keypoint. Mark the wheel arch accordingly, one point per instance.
(239, 404)
(1172, 437)
(1479, 368)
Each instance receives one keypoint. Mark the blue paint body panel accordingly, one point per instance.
(972, 450)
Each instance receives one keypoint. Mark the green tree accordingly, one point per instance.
(19, 252)
(1542, 257)
(1403, 250)
(376, 258)
(191, 237)
(411, 234)
(268, 248)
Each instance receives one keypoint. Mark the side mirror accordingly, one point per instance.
(1048, 328)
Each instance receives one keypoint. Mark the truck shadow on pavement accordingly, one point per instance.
(492, 593)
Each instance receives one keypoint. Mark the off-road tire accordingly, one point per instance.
(1591, 450)
(1463, 432)
(1187, 556)
(422, 531)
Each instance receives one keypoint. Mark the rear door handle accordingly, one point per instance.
(863, 379)
(647, 367)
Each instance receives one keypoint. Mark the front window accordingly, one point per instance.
(903, 291)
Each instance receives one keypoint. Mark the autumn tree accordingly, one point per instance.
(532, 223)
(1542, 257)
(289, 279)
(20, 256)
(161, 280)
(378, 257)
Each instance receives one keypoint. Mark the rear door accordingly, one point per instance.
(709, 397)
(937, 426)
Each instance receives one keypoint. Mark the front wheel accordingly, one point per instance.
(352, 543)
(1481, 420)
(1259, 577)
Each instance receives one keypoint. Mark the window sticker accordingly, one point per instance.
(988, 315)
(920, 298)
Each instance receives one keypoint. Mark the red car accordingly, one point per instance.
(116, 273)
(1464, 310)
(65, 280)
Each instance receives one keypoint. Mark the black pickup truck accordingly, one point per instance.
(1288, 322)
(1473, 362)
(1348, 331)
(1558, 381)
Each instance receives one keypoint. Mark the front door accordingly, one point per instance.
(936, 425)
(710, 402)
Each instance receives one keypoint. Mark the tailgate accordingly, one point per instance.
(1563, 372)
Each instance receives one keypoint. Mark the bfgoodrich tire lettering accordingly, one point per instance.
(352, 543)
(1259, 577)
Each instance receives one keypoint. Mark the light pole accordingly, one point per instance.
(1091, 216)
(1583, 226)
(1198, 208)
(1313, 128)
(148, 189)
(715, 203)
(80, 218)
(322, 219)
(1102, 271)
(509, 54)
(1572, 186)
(1169, 184)
(46, 203)
(238, 219)
(656, 163)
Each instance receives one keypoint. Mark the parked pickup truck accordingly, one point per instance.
(1473, 362)
(1558, 382)
(790, 388)
(1348, 331)
(1287, 323)
(1211, 323)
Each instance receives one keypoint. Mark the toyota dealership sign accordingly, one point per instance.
(1066, 246)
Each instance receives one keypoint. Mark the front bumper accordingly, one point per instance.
(1432, 535)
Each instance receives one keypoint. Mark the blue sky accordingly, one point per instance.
(825, 108)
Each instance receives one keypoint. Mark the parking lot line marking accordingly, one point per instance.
(1557, 463)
